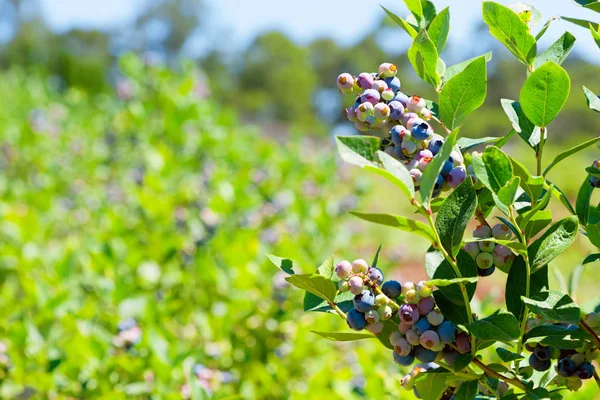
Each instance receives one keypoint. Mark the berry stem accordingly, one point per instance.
(337, 309)
(393, 305)
(481, 218)
(589, 330)
(491, 372)
(440, 123)
(523, 241)
(452, 262)
(597, 378)
(538, 155)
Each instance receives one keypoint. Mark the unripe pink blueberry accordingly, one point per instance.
(343, 269)
(424, 289)
(350, 114)
(387, 70)
(456, 177)
(396, 110)
(501, 232)
(385, 313)
(361, 126)
(429, 339)
(345, 81)
(409, 119)
(412, 297)
(463, 342)
(426, 114)
(435, 317)
(388, 95)
(424, 155)
(416, 175)
(381, 111)
(502, 255)
(360, 266)
(372, 316)
(413, 338)
(403, 327)
(485, 260)
(482, 232)
(356, 285)
(370, 96)
(487, 246)
(592, 319)
(364, 111)
(376, 328)
(409, 313)
(343, 286)
(472, 248)
(380, 86)
(402, 347)
(415, 104)
(365, 80)
(426, 305)
(424, 163)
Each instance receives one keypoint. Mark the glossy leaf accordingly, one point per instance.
(435, 167)
(396, 173)
(466, 144)
(315, 284)
(553, 242)
(423, 56)
(458, 68)
(570, 152)
(515, 286)
(285, 264)
(452, 311)
(591, 258)
(326, 268)
(582, 205)
(439, 28)
(467, 390)
(593, 101)
(437, 267)
(508, 356)
(358, 150)
(554, 305)
(400, 222)
(431, 386)
(344, 336)
(557, 52)
(401, 23)
(454, 215)
(500, 327)
(521, 124)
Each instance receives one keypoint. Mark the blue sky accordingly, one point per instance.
(345, 20)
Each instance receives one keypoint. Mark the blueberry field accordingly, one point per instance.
(307, 221)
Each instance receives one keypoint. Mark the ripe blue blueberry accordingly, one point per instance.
(447, 167)
(539, 365)
(594, 181)
(393, 83)
(421, 326)
(447, 332)
(397, 134)
(392, 289)
(566, 367)
(396, 110)
(435, 144)
(376, 276)
(409, 313)
(364, 302)
(429, 339)
(356, 320)
(402, 98)
(542, 352)
(486, 272)
(450, 356)
(456, 176)
(421, 130)
(425, 355)
(426, 305)
(585, 370)
(438, 183)
(404, 360)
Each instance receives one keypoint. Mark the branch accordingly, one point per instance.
(491, 372)
(589, 330)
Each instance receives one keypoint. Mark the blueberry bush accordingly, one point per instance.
(544, 343)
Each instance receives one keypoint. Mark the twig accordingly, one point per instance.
(481, 218)
(589, 330)
(491, 372)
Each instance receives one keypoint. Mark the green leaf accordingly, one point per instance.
(570, 152)
(508, 356)
(313, 303)
(503, 140)
(415, 7)
(344, 336)
(537, 223)
(462, 361)
(593, 101)
(515, 285)
(524, 218)
(452, 311)
(315, 284)
(448, 282)
(506, 26)
(516, 246)
(595, 35)
(458, 68)
(591, 258)
(438, 268)
(358, 150)
(435, 167)
(554, 305)
(463, 94)
(593, 232)
(439, 28)
(500, 326)
(521, 124)
(396, 173)
(423, 56)
(553, 242)
(584, 23)
(558, 52)
(454, 215)
(326, 269)
(400, 222)
(544, 29)
(511, 226)
(466, 144)
(376, 258)
(493, 168)
(559, 194)
(401, 23)
(507, 194)
(582, 205)
(285, 264)
(431, 386)
(467, 390)
(544, 93)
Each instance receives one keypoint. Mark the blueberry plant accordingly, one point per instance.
(544, 340)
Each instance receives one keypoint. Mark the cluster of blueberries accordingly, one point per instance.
(5, 362)
(594, 180)
(572, 365)
(489, 255)
(207, 378)
(422, 334)
(401, 120)
(129, 334)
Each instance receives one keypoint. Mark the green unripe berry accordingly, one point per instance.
(381, 300)
(343, 286)
(385, 313)
(574, 383)
(372, 316)
(360, 266)
(424, 289)
(486, 246)
(412, 297)
(485, 260)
